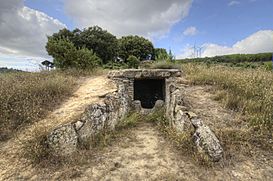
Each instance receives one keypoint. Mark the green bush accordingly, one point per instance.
(86, 59)
(66, 55)
(133, 62)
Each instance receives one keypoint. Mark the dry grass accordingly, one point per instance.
(161, 65)
(28, 97)
(83, 73)
(248, 91)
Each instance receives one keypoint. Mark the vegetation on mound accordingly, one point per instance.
(28, 97)
(247, 91)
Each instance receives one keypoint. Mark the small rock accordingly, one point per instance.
(78, 125)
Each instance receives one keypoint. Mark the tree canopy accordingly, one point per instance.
(66, 55)
(103, 43)
(136, 46)
(67, 47)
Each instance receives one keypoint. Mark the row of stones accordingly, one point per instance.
(184, 120)
(66, 139)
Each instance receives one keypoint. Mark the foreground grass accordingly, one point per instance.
(28, 97)
(248, 91)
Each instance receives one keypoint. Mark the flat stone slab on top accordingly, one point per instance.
(144, 73)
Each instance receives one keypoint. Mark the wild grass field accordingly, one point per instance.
(248, 91)
(27, 97)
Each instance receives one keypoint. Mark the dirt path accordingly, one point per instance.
(11, 165)
(142, 155)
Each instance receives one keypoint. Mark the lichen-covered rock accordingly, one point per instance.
(145, 73)
(136, 106)
(182, 122)
(63, 140)
(159, 104)
(206, 141)
(94, 118)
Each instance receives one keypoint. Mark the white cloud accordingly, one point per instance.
(25, 63)
(150, 18)
(23, 30)
(190, 31)
(259, 42)
(233, 3)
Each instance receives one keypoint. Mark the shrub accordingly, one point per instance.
(133, 62)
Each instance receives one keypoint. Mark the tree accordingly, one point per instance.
(66, 55)
(86, 59)
(171, 56)
(47, 64)
(161, 54)
(103, 43)
(135, 45)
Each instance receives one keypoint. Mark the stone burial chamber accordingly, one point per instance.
(146, 87)
(143, 91)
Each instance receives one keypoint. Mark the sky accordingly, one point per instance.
(218, 27)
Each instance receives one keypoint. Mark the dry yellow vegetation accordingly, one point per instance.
(248, 91)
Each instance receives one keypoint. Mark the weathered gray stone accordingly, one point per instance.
(136, 106)
(145, 73)
(182, 122)
(187, 121)
(159, 104)
(63, 139)
(78, 125)
(196, 122)
(207, 143)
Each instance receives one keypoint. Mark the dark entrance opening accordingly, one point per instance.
(148, 91)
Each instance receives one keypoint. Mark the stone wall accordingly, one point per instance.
(65, 139)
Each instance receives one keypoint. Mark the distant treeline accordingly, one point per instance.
(7, 70)
(235, 58)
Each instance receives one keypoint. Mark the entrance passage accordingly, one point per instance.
(148, 91)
